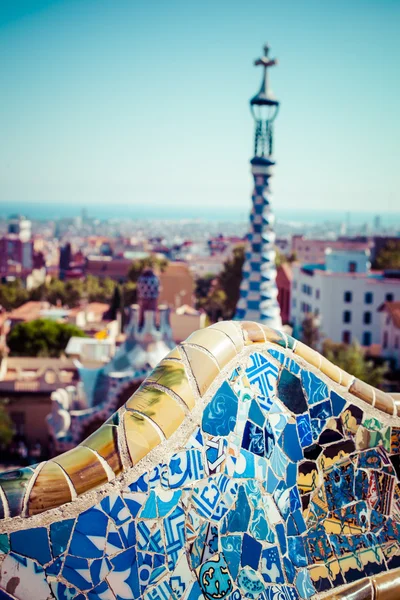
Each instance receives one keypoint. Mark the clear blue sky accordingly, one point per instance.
(131, 101)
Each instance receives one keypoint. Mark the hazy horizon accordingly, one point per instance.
(109, 103)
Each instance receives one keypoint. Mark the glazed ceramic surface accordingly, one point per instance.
(246, 466)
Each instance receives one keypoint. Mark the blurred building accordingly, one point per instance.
(313, 250)
(284, 282)
(390, 331)
(344, 294)
(26, 385)
(80, 410)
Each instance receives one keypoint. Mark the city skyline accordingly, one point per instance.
(134, 105)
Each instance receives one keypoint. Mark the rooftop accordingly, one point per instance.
(393, 309)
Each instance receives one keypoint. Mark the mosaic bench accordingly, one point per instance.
(245, 466)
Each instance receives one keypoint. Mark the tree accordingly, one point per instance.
(281, 258)
(13, 294)
(203, 286)
(351, 358)
(389, 256)
(6, 426)
(41, 337)
(152, 262)
(310, 333)
(229, 281)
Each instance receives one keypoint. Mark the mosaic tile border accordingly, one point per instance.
(131, 433)
(246, 465)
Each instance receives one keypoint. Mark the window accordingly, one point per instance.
(366, 338)
(389, 298)
(346, 337)
(316, 312)
(294, 302)
(348, 296)
(295, 285)
(396, 342)
(367, 318)
(317, 294)
(352, 267)
(369, 297)
(347, 316)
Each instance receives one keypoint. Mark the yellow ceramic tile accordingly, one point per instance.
(203, 368)
(346, 379)
(50, 489)
(332, 526)
(384, 402)
(309, 355)
(274, 336)
(141, 435)
(318, 572)
(387, 585)
(174, 353)
(160, 407)
(330, 370)
(232, 331)
(172, 375)
(216, 342)
(253, 333)
(307, 481)
(105, 442)
(362, 390)
(83, 468)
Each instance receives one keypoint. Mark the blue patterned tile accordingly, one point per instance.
(323, 410)
(238, 517)
(304, 584)
(271, 569)
(263, 374)
(115, 508)
(231, 548)
(76, 571)
(250, 583)
(184, 468)
(60, 532)
(304, 430)
(124, 578)
(89, 536)
(174, 528)
(219, 416)
(214, 578)
(316, 389)
(149, 510)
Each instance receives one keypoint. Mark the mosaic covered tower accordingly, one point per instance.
(258, 290)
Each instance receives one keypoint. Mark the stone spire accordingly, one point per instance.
(258, 290)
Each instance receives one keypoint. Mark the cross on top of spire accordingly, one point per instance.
(265, 61)
(265, 96)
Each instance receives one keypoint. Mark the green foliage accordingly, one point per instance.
(151, 261)
(389, 256)
(351, 358)
(41, 337)
(222, 298)
(6, 426)
(13, 294)
(280, 258)
(203, 286)
(310, 333)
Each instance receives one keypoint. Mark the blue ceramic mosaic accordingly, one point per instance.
(284, 491)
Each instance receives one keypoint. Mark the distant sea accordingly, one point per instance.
(47, 211)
